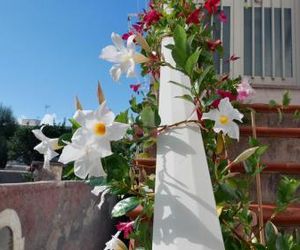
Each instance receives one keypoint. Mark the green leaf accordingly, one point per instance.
(190, 42)
(124, 206)
(296, 115)
(64, 138)
(180, 39)
(135, 107)
(179, 51)
(186, 98)
(75, 124)
(203, 76)
(150, 142)
(191, 63)
(261, 150)
(282, 243)
(226, 192)
(147, 116)
(150, 118)
(181, 85)
(286, 99)
(271, 234)
(96, 181)
(116, 167)
(273, 103)
(170, 46)
(286, 192)
(122, 117)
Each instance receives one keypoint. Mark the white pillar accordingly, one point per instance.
(185, 214)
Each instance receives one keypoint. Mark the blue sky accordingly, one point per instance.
(49, 54)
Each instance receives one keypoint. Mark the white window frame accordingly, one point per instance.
(237, 40)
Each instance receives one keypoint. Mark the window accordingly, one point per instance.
(263, 33)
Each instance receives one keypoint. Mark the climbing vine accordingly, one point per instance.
(116, 154)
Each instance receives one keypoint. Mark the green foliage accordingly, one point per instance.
(3, 152)
(8, 126)
(180, 50)
(8, 122)
(150, 117)
(286, 99)
(124, 206)
(21, 144)
(286, 193)
(116, 167)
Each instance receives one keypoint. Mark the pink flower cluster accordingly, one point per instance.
(244, 90)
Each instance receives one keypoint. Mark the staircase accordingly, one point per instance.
(281, 132)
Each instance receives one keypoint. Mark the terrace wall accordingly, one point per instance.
(58, 215)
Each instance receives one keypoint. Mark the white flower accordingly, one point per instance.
(86, 155)
(46, 147)
(223, 117)
(91, 141)
(168, 9)
(124, 58)
(100, 125)
(115, 243)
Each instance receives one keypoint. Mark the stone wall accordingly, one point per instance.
(58, 215)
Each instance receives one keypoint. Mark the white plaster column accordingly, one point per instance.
(185, 214)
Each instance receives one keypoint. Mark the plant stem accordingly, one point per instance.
(165, 127)
(258, 188)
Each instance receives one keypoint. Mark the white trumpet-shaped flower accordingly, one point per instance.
(223, 117)
(124, 58)
(47, 146)
(91, 141)
(100, 124)
(115, 243)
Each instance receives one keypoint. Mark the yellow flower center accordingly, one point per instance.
(99, 128)
(224, 119)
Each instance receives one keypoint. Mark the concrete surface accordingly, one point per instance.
(59, 215)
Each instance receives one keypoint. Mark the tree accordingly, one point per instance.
(21, 145)
(8, 126)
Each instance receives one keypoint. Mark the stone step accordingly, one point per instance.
(266, 108)
(279, 149)
(290, 217)
(269, 186)
(271, 132)
(283, 168)
(271, 116)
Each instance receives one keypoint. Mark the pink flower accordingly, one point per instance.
(223, 94)
(136, 28)
(126, 228)
(212, 45)
(222, 17)
(194, 17)
(125, 36)
(212, 6)
(151, 17)
(135, 87)
(233, 58)
(244, 89)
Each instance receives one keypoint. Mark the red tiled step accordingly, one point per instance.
(145, 162)
(265, 108)
(290, 217)
(272, 132)
(284, 168)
